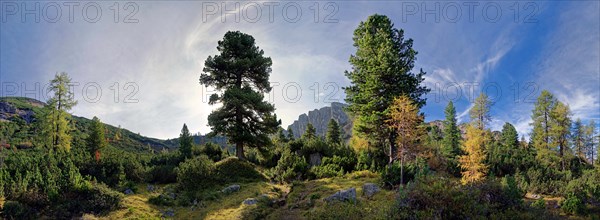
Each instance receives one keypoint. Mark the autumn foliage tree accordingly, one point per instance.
(55, 121)
(406, 121)
(476, 140)
(472, 163)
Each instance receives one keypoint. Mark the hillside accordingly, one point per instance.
(19, 115)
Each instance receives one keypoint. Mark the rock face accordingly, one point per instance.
(370, 189)
(343, 195)
(9, 110)
(231, 189)
(319, 118)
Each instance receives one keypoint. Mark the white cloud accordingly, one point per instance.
(570, 62)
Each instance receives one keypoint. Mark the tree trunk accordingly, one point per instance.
(392, 147)
(239, 145)
(402, 169)
(239, 151)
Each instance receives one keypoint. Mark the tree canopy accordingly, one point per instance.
(381, 71)
(240, 73)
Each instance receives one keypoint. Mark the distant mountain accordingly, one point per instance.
(20, 112)
(319, 118)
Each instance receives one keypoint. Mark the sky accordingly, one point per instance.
(137, 64)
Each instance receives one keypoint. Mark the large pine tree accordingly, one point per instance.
(381, 71)
(241, 74)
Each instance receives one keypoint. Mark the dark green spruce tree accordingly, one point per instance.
(96, 140)
(451, 139)
(240, 72)
(185, 142)
(310, 132)
(334, 134)
(290, 134)
(381, 71)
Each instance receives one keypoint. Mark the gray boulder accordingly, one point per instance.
(150, 188)
(343, 195)
(128, 192)
(168, 213)
(370, 189)
(231, 189)
(250, 201)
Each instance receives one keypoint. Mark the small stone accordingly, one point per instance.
(172, 195)
(150, 188)
(128, 192)
(250, 201)
(230, 189)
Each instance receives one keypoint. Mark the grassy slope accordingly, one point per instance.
(306, 198)
(130, 141)
(301, 200)
(226, 207)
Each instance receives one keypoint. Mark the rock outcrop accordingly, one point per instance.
(319, 118)
(343, 195)
(230, 189)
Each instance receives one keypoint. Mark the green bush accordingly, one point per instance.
(347, 163)
(195, 173)
(17, 210)
(392, 175)
(373, 159)
(97, 200)
(290, 167)
(162, 174)
(539, 204)
(572, 205)
(213, 151)
(328, 170)
(161, 200)
(512, 192)
(232, 169)
(436, 197)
